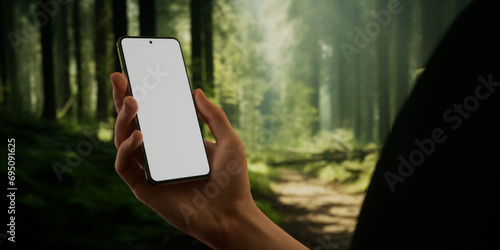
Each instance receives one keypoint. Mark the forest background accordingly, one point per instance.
(308, 85)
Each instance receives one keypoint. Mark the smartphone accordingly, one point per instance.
(173, 148)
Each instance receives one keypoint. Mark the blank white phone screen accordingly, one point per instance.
(172, 139)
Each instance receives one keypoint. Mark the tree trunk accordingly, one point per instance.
(383, 84)
(147, 18)
(357, 82)
(196, 44)
(342, 92)
(103, 54)
(196, 48)
(357, 123)
(78, 59)
(402, 57)
(9, 59)
(383, 93)
(3, 62)
(370, 116)
(208, 46)
(315, 81)
(49, 103)
(343, 96)
(332, 92)
(62, 63)
(202, 68)
(119, 26)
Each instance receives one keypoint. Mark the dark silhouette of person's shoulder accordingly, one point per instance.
(437, 182)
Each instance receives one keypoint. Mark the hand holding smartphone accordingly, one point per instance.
(173, 150)
(173, 147)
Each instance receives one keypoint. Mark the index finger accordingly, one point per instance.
(215, 118)
(120, 89)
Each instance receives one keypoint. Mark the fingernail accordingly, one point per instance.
(131, 137)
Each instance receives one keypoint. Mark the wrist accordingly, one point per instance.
(231, 226)
(250, 228)
(241, 226)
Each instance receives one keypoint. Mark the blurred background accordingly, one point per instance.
(311, 87)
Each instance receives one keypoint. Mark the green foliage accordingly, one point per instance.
(338, 139)
(351, 175)
(106, 130)
(278, 72)
(355, 175)
(266, 109)
(294, 117)
(268, 209)
(91, 201)
(260, 175)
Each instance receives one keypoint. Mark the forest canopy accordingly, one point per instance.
(283, 71)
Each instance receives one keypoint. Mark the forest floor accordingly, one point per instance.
(319, 215)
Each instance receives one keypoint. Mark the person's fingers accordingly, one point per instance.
(214, 117)
(210, 148)
(124, 124)
(128, 169)
(120, 89)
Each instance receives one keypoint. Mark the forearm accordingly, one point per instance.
(253, 230)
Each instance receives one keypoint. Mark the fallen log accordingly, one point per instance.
(299, 156)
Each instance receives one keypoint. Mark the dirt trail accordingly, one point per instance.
(316, 214)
